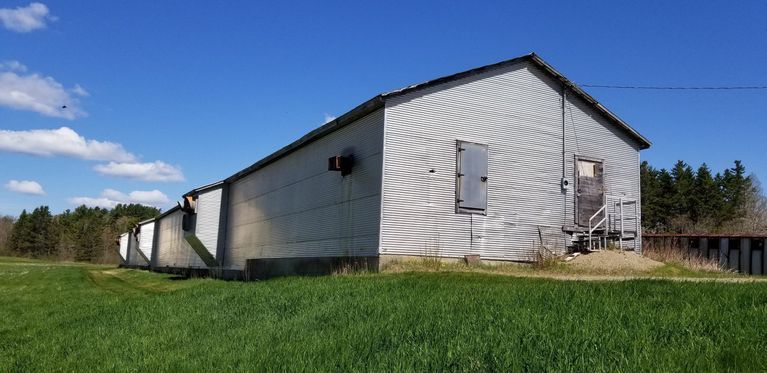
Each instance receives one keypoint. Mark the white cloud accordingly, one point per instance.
(25, 186)
(63, 141)
(80, 91)
(12, 65)
(329, 117)
(110, 198)
(25, 19)
(150, 171)
(41, 94)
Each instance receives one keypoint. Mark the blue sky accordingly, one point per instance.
(176, 94)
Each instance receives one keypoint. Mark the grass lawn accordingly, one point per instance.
(79, 317)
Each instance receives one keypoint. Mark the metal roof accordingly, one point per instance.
(168, 212)
(378, 101)
(203, 188)
(146, 221)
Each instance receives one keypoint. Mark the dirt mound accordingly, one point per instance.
(613, 262)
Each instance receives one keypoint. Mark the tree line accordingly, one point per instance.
(684, 200)
(85, 234)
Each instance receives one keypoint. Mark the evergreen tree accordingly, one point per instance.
(682, 199)
(85, 234)
(735, 188)
(19, 240)
(666, 192)
(706, 199)
(651, 215)
(41, 237)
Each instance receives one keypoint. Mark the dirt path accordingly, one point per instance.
(579, 277)
(110, 281)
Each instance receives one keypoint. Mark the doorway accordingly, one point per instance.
(589, 190)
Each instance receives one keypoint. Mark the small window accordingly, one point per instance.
(587, 168)
(471, 178)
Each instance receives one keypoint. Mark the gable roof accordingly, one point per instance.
(378, 102)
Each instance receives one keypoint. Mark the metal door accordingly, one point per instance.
(589, 190)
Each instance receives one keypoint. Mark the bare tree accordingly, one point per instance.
(6, 225)
(754, 208)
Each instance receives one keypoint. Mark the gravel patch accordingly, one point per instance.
(609, 261)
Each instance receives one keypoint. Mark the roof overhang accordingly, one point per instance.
(204, 188)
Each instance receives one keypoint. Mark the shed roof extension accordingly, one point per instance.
(378, 101)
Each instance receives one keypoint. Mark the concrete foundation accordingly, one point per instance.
(264, 268)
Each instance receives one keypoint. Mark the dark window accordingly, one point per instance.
(713, 248)
(471, 178)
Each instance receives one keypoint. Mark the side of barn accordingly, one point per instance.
(205, 208)
(294, 210)
(510, 129)
(592, 138)
(145, 236)
(171, 250)
(135, 257)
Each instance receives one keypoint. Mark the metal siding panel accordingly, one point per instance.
(295, 207)
(172, 248)
(146, 239)
(208, 216)
(134, 258)
(124, 246)
(517, 112)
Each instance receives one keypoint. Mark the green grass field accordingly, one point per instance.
(78, 317)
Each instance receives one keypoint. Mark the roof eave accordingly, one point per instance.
(644, 143)
(203, 188)
(358, 112)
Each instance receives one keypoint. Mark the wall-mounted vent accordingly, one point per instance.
(341, 163)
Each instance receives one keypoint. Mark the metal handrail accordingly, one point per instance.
(591, 230)
(616, 211)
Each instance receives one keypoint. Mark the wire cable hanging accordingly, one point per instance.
(702, 88)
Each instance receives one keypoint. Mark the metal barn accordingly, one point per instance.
(501, 162)
(496, 162)
(191, 234)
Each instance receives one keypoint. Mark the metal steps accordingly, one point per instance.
(616, 223)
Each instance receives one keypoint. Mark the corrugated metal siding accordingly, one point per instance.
(589, 134)
(124, 246)
(295, 207)
(172, 248)
(146, 239)
(208, 216)
(134, 257)
(517, 112)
